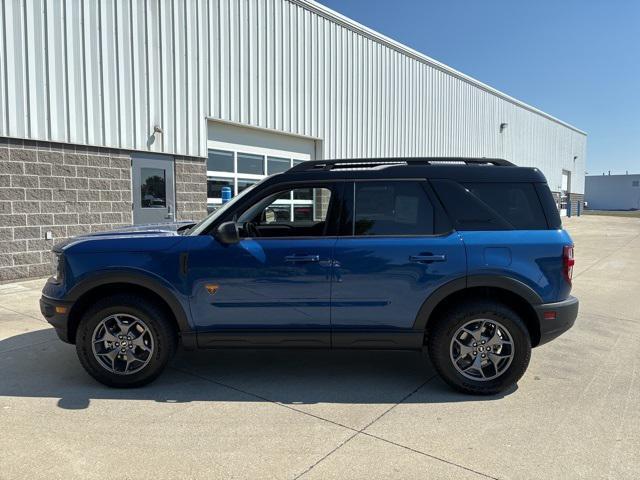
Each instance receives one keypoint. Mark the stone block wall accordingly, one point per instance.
(191, 188)
(69, 190)
(59, 188)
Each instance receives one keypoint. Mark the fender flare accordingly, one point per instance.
(135, 278)
(458, 284)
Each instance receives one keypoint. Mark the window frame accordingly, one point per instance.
(442, 226)
(235, 177)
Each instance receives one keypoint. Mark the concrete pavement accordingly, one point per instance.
(296, 414)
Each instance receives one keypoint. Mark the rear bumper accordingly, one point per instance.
(56, 312)
(566, 312)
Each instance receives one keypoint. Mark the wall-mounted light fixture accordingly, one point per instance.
(152, 138)
(503, 126)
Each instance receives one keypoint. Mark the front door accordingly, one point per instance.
(273, 287)
(153, 189)
(388, 259)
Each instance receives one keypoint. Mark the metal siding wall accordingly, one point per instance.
(105, 72)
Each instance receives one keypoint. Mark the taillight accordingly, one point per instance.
(568, 262)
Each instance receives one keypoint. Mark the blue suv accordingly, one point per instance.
(464, 257)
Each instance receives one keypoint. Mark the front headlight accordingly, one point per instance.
(57, 266)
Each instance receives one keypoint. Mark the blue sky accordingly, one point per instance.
(578, 60)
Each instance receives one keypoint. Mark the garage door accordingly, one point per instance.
(239, 157)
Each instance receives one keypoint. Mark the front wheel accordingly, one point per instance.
(125, 341)
(480, 347)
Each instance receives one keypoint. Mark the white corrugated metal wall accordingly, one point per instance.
(104, 72)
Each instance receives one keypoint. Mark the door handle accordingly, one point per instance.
(428, 258)
(302, 258)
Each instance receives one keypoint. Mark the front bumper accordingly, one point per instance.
(566, 312)
(56, 312)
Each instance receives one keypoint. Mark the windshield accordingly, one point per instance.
(201, 226)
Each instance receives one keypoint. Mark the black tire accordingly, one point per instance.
(440, 338)
(160, 327)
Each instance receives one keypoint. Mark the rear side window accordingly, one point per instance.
(517, 203)
(392, 208)
(491, 206)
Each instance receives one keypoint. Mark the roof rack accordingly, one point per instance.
(379, 163)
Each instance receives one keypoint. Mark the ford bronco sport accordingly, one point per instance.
(464, 257)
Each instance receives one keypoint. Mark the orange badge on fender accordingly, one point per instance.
(212, 288)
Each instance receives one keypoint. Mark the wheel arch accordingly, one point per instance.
(109, 283)
(506, 290)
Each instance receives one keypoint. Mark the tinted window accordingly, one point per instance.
(244, 184)
(249, 163)
(465, 210)
(214, 186)
(517, 203)
(219, 160)
(153, 192)
(392, 208)
(277, 165)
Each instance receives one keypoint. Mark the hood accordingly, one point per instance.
(135, 231)
(149, 228)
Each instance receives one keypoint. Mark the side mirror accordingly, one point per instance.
(227, 233)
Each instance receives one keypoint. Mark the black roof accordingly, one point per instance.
(454, 168)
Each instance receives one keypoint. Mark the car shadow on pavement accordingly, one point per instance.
(37, 364)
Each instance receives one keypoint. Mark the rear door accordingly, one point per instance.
(390, 256)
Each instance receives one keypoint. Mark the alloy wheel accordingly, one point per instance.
(122, 344)
(482, 349)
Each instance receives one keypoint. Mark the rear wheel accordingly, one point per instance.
(125, 341)
(480, 348)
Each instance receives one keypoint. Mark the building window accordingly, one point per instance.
(214, 186)
(240, 169)
(635, 183)
(153, 192)
(220, 161)
(278, 165)
(251, 164)
(242, 184)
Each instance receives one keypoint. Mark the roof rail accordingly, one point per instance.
(378, 163)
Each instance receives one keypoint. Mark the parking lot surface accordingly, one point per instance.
(317, 414)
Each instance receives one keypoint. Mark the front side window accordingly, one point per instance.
(295, 212)
(391, 208)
